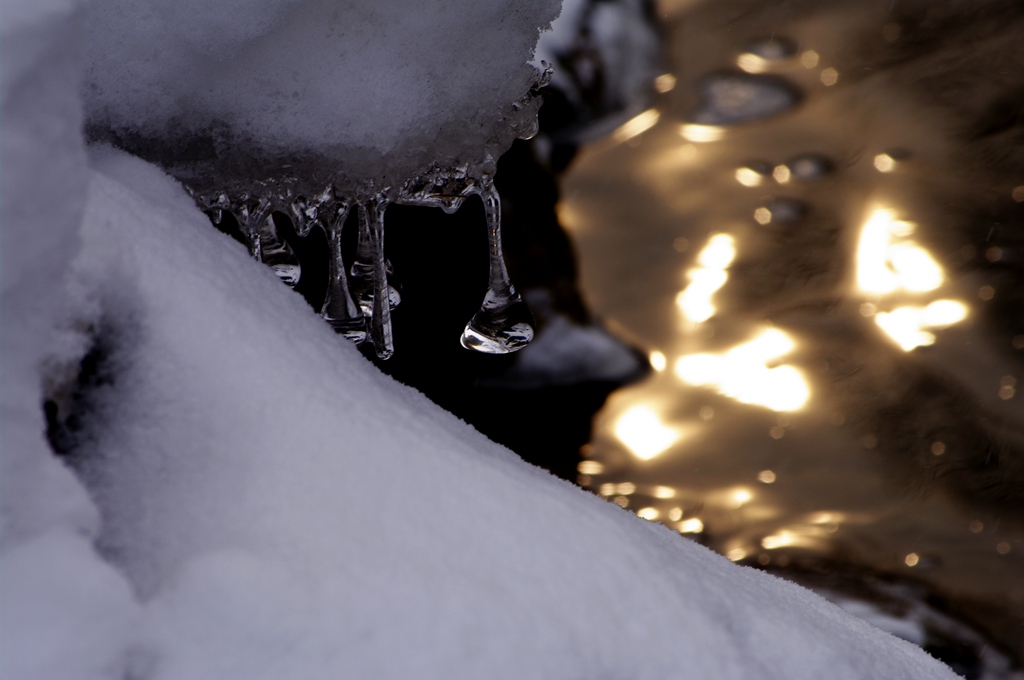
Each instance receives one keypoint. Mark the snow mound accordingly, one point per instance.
(346, 91)
(284, 509)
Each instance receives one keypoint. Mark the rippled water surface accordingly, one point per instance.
(817, 233)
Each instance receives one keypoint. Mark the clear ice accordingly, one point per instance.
(353, 305)
(503, 323)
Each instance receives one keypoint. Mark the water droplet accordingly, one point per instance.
(732, 98)
(503, 323)
(809, 167)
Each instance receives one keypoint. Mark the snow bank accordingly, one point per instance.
(280, 508)
(357, 90)
(283, 509)
(64, 613)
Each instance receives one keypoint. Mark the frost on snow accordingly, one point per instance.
(247, 497)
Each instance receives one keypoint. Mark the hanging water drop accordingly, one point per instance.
(503, 323)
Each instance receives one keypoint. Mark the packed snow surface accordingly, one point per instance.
(368, 90)
(252, 499)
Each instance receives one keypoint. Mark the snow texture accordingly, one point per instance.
(269, 504)
(365, 90)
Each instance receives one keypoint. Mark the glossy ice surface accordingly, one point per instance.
(820, 246)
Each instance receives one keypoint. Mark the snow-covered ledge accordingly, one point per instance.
(252, 499)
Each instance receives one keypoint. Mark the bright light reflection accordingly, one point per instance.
(664, 492)
(752, 63)
(701, 133)
(741, 497)
(643, 433)
(795, 536)
(885, 266)
(742, 373)
(649, 514)
(691, 526)
(749, 177)
(718, 253)
(658, 361)
(705, 280)
(885, 163)
(666, 82)
(782, 174)
(908, 325)
(638, 124)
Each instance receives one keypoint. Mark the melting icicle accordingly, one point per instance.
(277, 254)
(338, 310)
(362, 272)
(504, 322)
(372, 214)
(250, 214)
(265, 243)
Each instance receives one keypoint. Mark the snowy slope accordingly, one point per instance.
(263, 503)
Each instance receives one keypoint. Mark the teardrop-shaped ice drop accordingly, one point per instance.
(339, 310)
(503, 323)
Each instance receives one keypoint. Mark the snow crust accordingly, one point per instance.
(252, 499)
(368, 90)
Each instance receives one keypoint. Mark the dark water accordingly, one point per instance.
(817, 233)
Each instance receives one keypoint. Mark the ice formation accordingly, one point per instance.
(308, 107)
(263, 503)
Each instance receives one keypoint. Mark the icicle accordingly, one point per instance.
(372, 214)
(339, 310)
(250, 214)
(265, 244)
(504, 322)
(277, 254)
(362, 280)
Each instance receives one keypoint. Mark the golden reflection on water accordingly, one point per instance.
(811, 290)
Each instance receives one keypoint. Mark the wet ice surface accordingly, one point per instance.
(831, 297)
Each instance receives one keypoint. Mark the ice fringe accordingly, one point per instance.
(503, 324)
